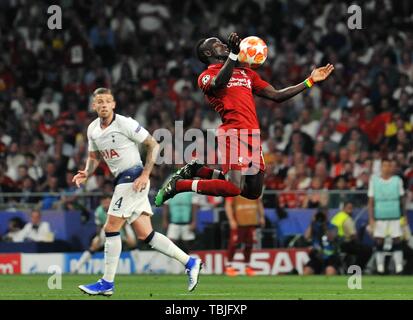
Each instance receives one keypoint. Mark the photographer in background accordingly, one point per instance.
(324, 254)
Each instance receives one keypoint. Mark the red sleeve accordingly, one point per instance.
(257, 83)
(205, 79)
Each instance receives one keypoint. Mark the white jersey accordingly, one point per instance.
(117, 142)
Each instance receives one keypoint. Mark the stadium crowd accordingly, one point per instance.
(330, 137)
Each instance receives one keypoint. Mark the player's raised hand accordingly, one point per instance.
(140, 183)
(80, 178)
(320, 74)
(233, 43)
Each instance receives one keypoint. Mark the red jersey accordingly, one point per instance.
(235, 103)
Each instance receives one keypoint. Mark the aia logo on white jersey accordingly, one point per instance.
(109, 154)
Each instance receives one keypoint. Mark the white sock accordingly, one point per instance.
(113, 248)
(380, 261)
(398, 260)
(166, 246)
(85, 257)
(194, 185)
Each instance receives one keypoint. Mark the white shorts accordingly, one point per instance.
(180, 232)
(128, 204)
(387, 228)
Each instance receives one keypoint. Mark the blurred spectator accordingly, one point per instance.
(14, 230)
(47, 102)
(357, 253)
(340, 192)
(37, 230)
(13, 160)
(315, 197)
(34, 170)
(102, 40)
(51, 200)
(244, 216)
(48, 127)
(27, 188)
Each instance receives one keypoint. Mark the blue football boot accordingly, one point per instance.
(101, 287)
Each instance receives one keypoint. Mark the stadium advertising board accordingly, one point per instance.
(10, 263)
(96, 265)
(265, 262)
(40, 262)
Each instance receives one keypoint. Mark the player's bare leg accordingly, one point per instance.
(113, 249)
(144, 231)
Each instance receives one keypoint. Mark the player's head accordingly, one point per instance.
(348, 207)
(386, 167)
(211, 50)
(36, 217)
(105, 201)
(103, 102)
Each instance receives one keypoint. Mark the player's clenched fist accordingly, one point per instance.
(233, 42)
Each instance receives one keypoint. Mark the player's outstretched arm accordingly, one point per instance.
(92, 163)
(318, 74)
(223, 76)
(152, 150)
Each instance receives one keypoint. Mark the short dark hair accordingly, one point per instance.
(199, 51)
(347, 202)
(29, 155)
(101, 91)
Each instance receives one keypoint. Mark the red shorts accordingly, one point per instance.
(240, 151)
(242, 235)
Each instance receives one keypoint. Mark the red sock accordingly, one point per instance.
(213, 187)
(232, 245)
(207, 173)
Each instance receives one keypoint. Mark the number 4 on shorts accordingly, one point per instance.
(118, 203)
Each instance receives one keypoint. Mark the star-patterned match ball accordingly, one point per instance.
(253, 51)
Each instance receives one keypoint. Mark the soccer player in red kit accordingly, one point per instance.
(229, 89)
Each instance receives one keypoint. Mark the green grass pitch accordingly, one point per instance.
(210, 287)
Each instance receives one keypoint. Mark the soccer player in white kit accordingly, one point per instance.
(114, 139)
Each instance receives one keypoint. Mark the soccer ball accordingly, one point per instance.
(253, 51)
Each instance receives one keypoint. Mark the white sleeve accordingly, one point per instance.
(25, 231)
(91, 145)
(134, 130)
(44, 231)
(401, 190)
(370, 193)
